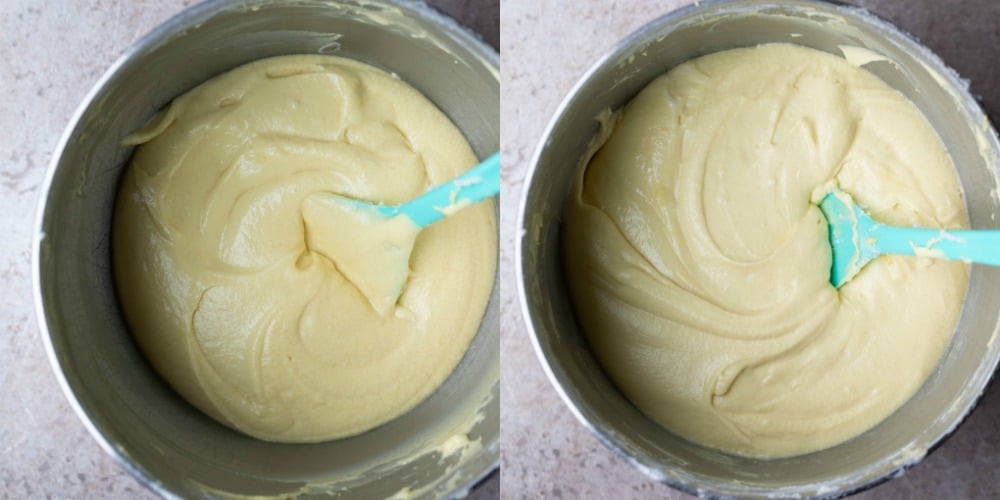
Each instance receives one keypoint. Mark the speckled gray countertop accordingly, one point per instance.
(51, 53)
(546, 46)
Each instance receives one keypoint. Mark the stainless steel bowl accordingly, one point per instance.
(168, 444)
(884, 451)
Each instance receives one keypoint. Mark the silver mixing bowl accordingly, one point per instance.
(169, 445)
(884, 451)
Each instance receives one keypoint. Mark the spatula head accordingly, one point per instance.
(849, 227)
(368, 244)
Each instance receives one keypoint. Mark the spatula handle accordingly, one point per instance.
(981, 246)
(475, 185)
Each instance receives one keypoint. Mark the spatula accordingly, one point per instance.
(856, 239)
(370, 243)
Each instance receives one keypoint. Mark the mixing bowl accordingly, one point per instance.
(886, 450)
(169, 445)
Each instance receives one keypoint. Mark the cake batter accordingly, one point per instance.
(219, 255)
(699, 263)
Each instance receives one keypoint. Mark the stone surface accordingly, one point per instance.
(546, 46)
(51, 53)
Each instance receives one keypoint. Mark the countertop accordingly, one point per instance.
(546, 46)
(51, 53)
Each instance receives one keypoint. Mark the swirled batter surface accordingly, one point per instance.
(699, 263)
(218, 248)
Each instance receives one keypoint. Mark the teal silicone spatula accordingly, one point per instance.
(856, 239)
(370, 243)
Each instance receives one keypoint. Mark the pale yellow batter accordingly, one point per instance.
(699, 263)
(219, 248)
